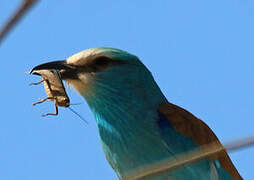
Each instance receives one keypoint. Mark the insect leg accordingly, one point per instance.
(52, 114)
(43, 100)
(36, 83)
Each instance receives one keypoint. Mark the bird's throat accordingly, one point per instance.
(127, 128)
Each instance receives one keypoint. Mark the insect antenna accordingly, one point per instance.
(83, 119)
(75, 104)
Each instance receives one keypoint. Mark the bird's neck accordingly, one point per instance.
(127, 127)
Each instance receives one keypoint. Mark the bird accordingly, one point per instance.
(137, 125)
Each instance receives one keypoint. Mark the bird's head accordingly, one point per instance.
(105, 75)
(122, 95)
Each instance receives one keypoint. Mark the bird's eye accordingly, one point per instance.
(102, 61)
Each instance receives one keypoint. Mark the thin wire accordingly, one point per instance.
(83, 119)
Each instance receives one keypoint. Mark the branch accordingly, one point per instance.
(24, 7)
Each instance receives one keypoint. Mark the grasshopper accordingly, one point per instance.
(54, 89)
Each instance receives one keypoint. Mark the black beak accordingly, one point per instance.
(57, 65)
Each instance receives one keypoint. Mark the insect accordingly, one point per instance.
(54, 89)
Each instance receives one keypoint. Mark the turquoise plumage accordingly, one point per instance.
(137, 125)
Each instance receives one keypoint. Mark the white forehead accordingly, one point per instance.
(86, 54)
(112, 53)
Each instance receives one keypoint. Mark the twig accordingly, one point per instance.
(26, 4)
(188, 158)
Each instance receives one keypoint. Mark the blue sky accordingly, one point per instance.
(200, 53)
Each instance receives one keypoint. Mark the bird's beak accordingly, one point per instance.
(57, 65)
(61, 66)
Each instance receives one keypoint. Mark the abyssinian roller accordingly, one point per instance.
(138, 126)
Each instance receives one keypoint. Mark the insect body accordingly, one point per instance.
(54, 89)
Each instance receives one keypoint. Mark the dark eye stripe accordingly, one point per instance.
(98, 64)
